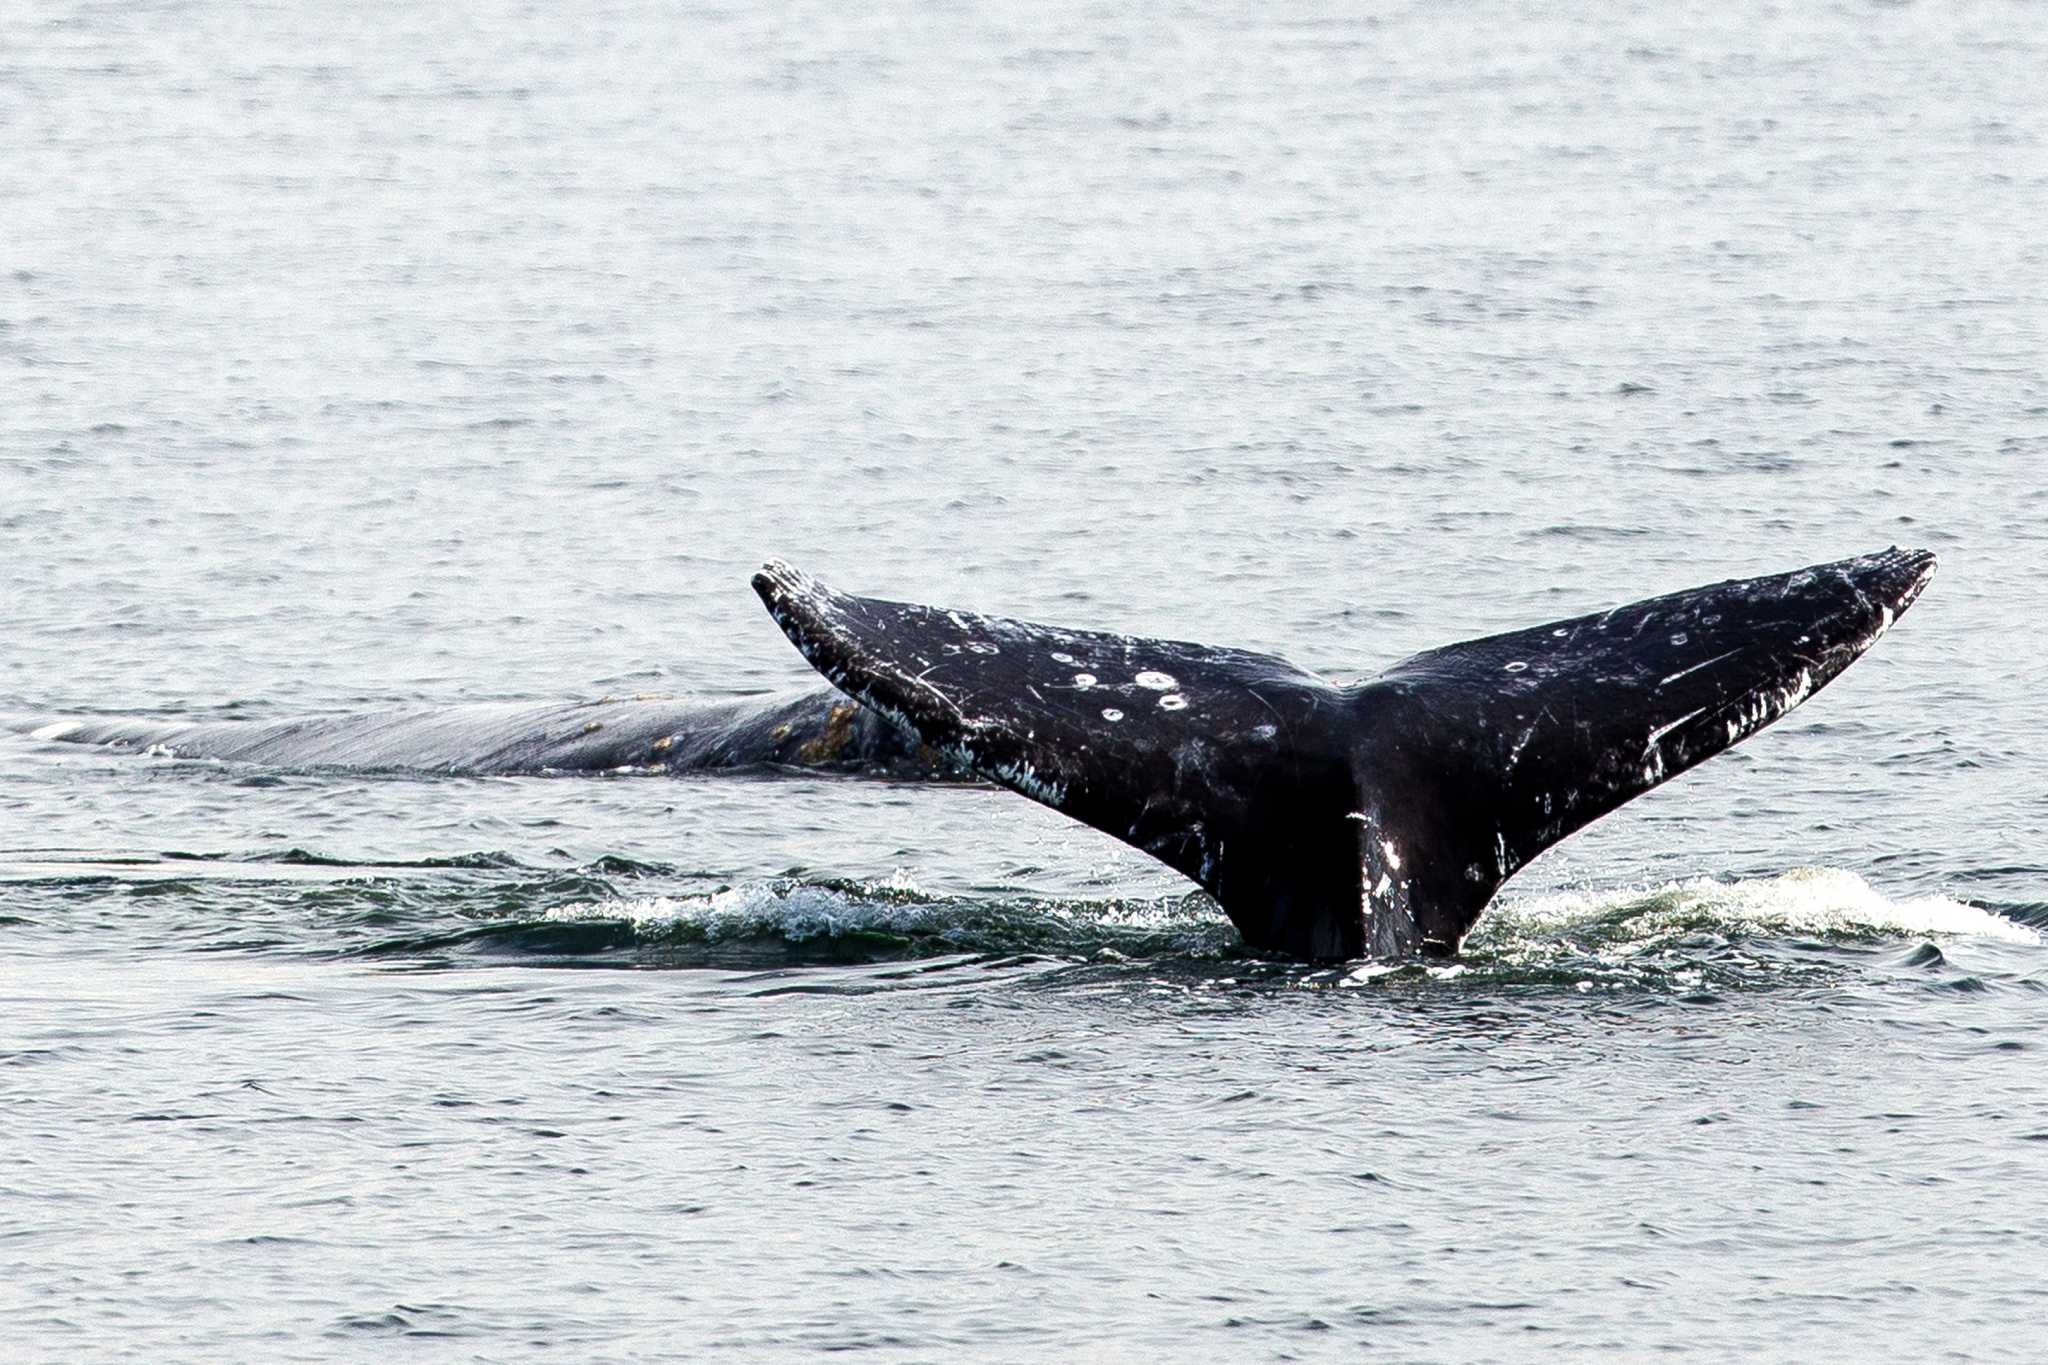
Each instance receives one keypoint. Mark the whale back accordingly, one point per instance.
(817, 729)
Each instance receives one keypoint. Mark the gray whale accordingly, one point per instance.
(1329, 822)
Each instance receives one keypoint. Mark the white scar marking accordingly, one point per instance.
(1393, 858)
(1084, 681)
(1112, 713)
(1157, 682)
(1024, 778)
(1661, 682)
(1173, 701)
(1066, 659)
(1516, 667)
(1515, 754)
(1664, 730)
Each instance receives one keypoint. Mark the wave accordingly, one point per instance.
(1706, 933)
(1820, 902)
(1680, 934)
(897, 919)
(1696, 934)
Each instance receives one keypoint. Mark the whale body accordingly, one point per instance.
(1328, 821)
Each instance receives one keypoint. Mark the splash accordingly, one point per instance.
(1814, 902)
(1682, 935)
(1805, 926)
(895, 918)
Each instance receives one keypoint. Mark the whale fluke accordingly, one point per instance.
(1332, 821)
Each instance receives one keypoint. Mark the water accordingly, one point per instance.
(382, 356)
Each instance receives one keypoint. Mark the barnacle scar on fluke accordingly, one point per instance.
(1332, 822)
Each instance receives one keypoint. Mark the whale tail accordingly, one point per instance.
(1335, 821)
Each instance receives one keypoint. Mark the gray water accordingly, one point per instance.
(358, 356)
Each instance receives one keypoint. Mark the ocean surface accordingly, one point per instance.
(394, 355)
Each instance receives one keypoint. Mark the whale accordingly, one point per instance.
(1379, 818)
(1328, 821)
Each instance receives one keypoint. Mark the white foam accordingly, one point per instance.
(1809, 900)
(1625, 925)
(801, 912)
(795, 912)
